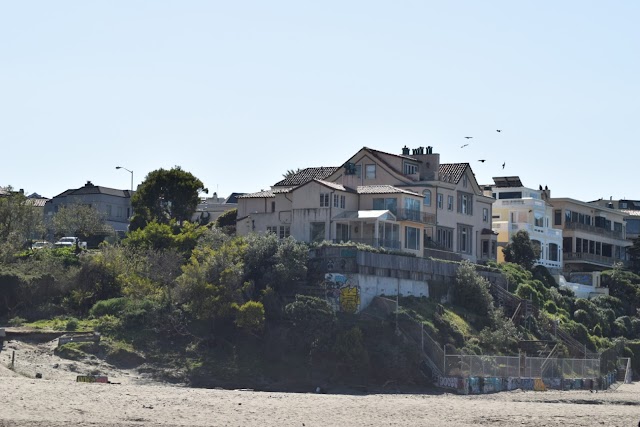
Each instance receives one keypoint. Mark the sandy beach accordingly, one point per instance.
(57, 400)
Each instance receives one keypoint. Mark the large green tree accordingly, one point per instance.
(166, 195)
(521, 250)
(19, 219)
(80, 220)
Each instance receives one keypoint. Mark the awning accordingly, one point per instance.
(379, 215)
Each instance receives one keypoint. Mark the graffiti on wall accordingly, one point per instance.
(341, 293)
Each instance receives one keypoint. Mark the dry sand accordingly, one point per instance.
(57, 400)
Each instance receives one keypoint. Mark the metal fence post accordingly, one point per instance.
(444, 360)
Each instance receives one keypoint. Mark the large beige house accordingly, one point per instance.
(409, 202)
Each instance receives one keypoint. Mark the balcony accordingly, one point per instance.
(535, 230)
(592, 229)
(416, 216)
(376, 243)
(591, 259)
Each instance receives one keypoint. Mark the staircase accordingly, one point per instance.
(514, 307)
(536, 348)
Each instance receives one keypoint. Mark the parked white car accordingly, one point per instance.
(41, 245)
(67, 242)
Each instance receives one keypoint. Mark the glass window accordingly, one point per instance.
(324, 200)
(412, 238)
(553, 252)
(370, 171)
(410, 168)
(538, 219)
(440, 198)
(336, 200)
(557, 217)
(390, 204)
(358, 171)
(464, 204)
(273, 206)
(412, 209)
(444, 238)
(342, 232)
(285, 231)
(485, 248)
(464, 239)
(427, 197)
(485, 215)
(450, 203)
(343, 201)
(317, 232)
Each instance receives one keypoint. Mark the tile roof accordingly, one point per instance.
(38, 203)
(630, 212)
(264, 193)
(383, 189)
(452, 172)
(306, 175)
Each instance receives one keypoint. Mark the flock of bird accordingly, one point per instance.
(482, 160)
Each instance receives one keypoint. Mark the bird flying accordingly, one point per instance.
(504, 164)
(462, 146)
(498, 130)
(482, 161)
(468, 137)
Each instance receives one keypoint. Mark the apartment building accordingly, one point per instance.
(516, 208)
(631, 211)
(594, 237)
(408, 202)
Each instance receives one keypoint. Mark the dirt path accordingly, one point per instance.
(33, 357)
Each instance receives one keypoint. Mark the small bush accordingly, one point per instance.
(113, 307)
(250, 315)
(72, 324)
(17, 321)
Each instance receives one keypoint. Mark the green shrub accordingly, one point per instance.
(471, 291)
(550, 307)
(250, 315)
(112, 306)
(72, 324)
(16, 321)
(108, 324)
(526, 291)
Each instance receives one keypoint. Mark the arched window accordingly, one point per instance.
(426, 197)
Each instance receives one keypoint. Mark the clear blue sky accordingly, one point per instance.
(238, 92)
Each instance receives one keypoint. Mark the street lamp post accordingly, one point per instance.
(131, 172)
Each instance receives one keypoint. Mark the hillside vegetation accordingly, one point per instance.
(198, 305)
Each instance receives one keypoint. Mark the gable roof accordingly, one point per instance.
(383, 189)
(452, 172)
(306, 175)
